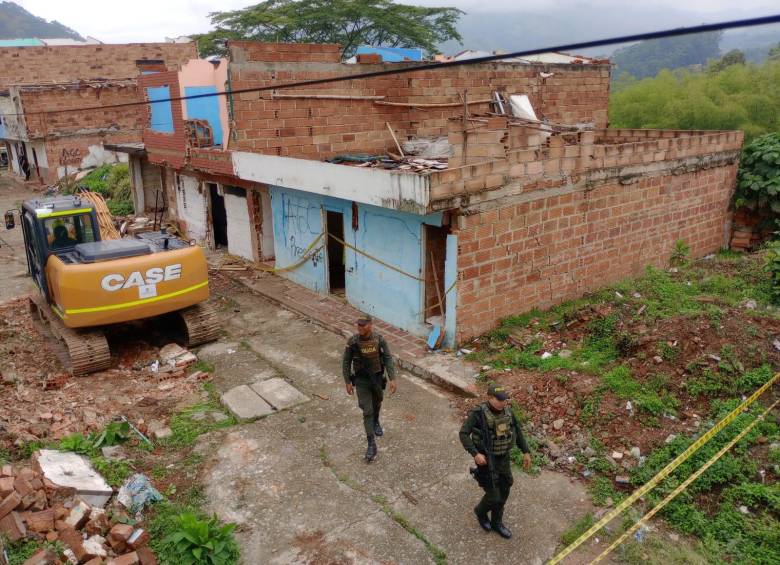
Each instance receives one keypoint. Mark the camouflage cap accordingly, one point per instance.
(498, 391)
(364, 320)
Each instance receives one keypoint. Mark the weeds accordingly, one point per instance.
(114, 471)
(438, 554)
(195, 540)
(577, 529)
(680, 253)
(737, 537)
(601, 491)
(186, 429)
(202, 365)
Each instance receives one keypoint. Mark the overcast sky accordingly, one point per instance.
(153, 20)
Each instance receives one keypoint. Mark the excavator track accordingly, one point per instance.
(201, 324)
(81, 351)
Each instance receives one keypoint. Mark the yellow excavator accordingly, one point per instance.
(87, 282)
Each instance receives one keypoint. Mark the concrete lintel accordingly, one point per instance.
(406, 192)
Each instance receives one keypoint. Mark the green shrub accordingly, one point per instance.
(772, 266)
(197, 541)
(77, 443)
(758, 179)
(120, 207)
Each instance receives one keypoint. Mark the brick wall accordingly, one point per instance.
(70, 151)
(164, 148)
(35, 65)
(320, 128)
(493, 155)
(36, 100)
(559, 243)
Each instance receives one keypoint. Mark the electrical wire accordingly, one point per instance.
(661, 34)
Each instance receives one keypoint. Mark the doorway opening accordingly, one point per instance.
(218, 216)
(336, 266)
(435, 257)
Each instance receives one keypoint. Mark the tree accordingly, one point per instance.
(742, 97)
(350, 23)
(733, 57)
(774, 53)
(647, 58)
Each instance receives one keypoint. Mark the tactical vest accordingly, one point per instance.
(501, 429)
(369, 358)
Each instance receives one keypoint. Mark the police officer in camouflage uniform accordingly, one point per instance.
(491, 454)
(366, 360)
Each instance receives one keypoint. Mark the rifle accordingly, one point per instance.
(487, 444)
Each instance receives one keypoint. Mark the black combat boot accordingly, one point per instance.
(483, 520)
(378, 431)
(497, 525)
(501, 530)
(371, 450)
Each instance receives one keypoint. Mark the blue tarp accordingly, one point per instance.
(393, 54)
(31, 42)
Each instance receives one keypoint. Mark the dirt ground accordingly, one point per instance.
(13, 274)
(295, 481)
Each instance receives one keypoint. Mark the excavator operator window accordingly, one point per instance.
(66, 231)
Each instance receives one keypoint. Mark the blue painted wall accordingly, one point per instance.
(392, 236)
(162, 116)
(206, 108)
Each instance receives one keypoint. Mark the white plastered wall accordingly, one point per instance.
(239, 228)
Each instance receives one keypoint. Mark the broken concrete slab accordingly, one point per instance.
(171, 351)
(279, 393)
(65, 469)
(245, 403)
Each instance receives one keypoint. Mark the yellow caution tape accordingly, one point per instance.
(685, 484)
(376, 259)
(663, 473)
(308, 253)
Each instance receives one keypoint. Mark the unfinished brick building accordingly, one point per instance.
(33, 80)
(523, 214)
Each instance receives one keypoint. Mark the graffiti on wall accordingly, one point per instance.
(298, 252)
(70, 157)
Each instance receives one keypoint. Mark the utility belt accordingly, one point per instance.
(377, 379)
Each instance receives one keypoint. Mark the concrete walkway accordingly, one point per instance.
(296, 484)
(335, 314)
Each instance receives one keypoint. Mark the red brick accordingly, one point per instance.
(42, 557)
(13, 527)
(9, 503)
(74, 541)
(6, 486)
(126, 559)
(146, 556)
(40, 522)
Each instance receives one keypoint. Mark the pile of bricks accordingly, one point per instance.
(34, 508)
(751, 229)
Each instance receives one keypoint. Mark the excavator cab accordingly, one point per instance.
(54, 226)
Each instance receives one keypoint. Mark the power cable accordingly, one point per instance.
(661, 34)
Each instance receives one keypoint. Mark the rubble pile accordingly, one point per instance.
(60, 499)
(41, 402)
